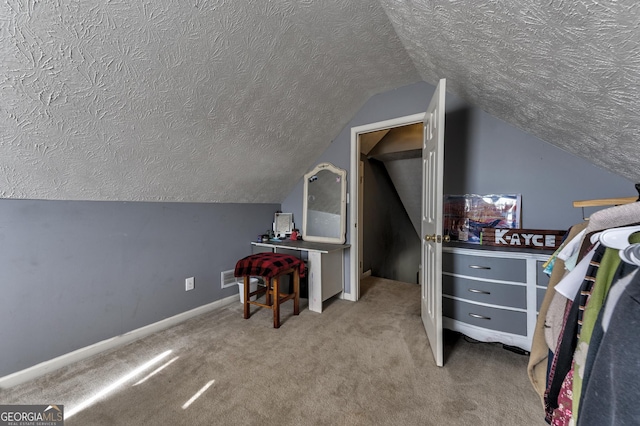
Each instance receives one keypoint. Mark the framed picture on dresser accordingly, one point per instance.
(466, 215)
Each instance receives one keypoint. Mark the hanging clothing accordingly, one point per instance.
(564, 290)
(563, 357)
(558, 371)
(611, 393)
(591, 299)
(572, 281)
(611, 267)
(562, 415)
(611, 217)
(624, 275)
(583, 367)
(539, 357)
(571, 251)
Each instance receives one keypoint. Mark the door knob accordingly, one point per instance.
(430, 237)
(446, 238)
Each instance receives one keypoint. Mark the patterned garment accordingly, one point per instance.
(570, 332)
(587, 285)
(604, 278)
(613, 388)
(562, 414)
(268, 265)
(551, 401)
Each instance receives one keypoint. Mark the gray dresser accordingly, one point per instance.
(492, 295)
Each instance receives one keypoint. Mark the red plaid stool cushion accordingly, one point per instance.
(267, 265)
(270, 266)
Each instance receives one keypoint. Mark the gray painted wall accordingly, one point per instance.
(495, 157)
(391, 247)
(74, 273)
(548, 178)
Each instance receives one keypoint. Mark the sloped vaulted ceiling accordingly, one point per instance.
(232, 100)
(183, 100)
(566, 71)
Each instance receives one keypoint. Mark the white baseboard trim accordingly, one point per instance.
(37, 370)
(366, 274)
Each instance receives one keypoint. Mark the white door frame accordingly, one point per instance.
(354, 294)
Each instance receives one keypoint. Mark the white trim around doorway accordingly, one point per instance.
(354, 294)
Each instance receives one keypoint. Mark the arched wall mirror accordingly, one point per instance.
(324, 207)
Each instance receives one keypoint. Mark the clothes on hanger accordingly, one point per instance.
(539, 361)
(566, 290)
(573, 320)
(611, 389)
(570, 331)
(574, 334)
(604, 279)
(613, 217)
(571, 251)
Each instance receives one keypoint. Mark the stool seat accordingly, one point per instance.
(271, 267)
(267, 265)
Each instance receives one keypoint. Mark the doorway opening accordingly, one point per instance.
(389, 143)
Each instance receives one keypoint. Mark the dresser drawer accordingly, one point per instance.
(514, 296)
(496, 268)
(485, 317)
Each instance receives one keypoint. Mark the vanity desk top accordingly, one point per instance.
(301, 245)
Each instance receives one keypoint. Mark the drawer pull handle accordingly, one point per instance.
(479, 316)
(473, 290)
(479, 267)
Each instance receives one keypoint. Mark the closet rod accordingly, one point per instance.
(605, 202)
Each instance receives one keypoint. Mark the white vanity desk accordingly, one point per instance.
(325, 267)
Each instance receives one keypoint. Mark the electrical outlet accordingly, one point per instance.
(189, 284)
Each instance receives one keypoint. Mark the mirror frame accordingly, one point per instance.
(343, 205)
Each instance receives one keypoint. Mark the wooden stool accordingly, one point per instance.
(271, 267)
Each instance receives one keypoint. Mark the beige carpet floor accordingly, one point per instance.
(363, 363)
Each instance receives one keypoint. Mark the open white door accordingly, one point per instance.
(432, 178)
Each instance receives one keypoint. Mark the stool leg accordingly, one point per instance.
(246, 291)
(276, 302)
(296, 292)
(267, 283)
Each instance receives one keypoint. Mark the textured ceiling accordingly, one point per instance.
(566, 71)
(202, 101)
(233, 100)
